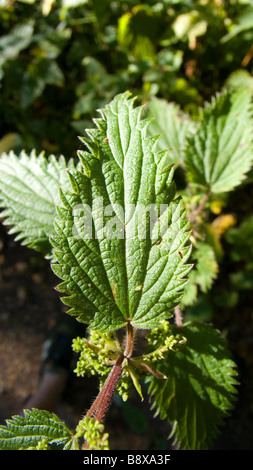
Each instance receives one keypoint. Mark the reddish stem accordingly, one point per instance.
(100, 406)
(178, 317)
(129, 341)
(103, 401)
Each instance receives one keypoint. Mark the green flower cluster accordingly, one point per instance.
(99, 351)
(96, 353)
(93, 433)
(124, 385)
(164, 339)
(41, 445)
(89, 361)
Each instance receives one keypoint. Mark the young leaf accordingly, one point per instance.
(35, 428)
(29, 191)
(220, 153)
(118, 260)
(172, 124)
(200, 387)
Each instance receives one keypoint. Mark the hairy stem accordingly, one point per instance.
(100, 406)
(103, 401)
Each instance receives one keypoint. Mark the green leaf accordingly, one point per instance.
(220, 153)
(34, 428)
(207, 266)
(19, 38)
(116, 263)
(240, 240)
(244, 22)
(200, 387)
(29, 192)
(43, 72)
(138, 30)
(204, 274)
(172, 124)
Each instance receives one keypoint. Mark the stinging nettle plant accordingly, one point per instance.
(125, 286)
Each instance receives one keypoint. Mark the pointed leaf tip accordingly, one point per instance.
(118, 249)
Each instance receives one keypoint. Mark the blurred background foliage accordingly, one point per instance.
(60, 60)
